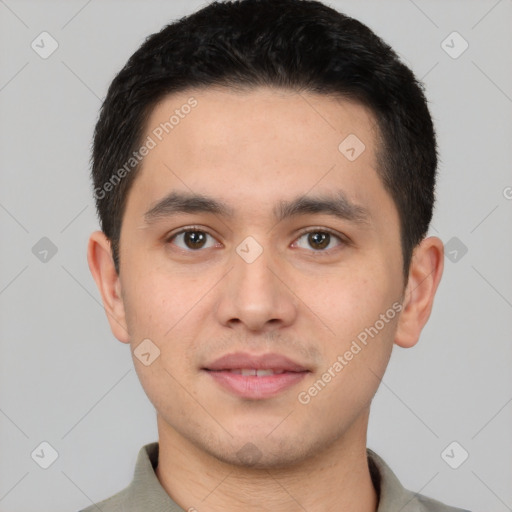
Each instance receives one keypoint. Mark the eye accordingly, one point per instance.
(191, 239)
(320, 239)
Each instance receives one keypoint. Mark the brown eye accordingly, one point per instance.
(319, 240)
(190, 239)
(194, 239)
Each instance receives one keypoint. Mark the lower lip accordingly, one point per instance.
(251, 386)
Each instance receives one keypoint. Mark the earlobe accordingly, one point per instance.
(425, 274)
(103, 270)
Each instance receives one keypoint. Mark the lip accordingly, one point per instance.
(252, 386)
(270, 361)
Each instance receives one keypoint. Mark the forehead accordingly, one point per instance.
(214, 117)
(259, 146)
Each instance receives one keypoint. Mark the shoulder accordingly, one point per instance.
(426, 504)
(115, 503)
(393, 496)
(143, 487)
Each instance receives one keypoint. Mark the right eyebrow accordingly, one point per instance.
(181, 202)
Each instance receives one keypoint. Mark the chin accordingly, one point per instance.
(262, 452)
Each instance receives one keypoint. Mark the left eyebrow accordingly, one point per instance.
(337, 205)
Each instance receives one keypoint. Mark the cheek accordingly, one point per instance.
(155, 303)
(350, 300)
(160, 309)
(168, 311)
(360, 310)
(355, 356)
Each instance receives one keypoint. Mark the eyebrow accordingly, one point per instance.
(337, 205)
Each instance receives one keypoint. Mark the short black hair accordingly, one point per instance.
(298, 45)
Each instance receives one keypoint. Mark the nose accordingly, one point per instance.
(256, 294)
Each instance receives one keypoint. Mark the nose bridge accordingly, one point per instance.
(254, 294)
(252, 276)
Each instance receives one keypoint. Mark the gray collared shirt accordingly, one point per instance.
(145, 493)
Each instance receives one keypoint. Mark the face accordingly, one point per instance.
(289, 263)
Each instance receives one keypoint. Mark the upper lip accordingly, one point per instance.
(242, 360)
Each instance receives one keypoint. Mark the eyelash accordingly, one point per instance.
(343, 239)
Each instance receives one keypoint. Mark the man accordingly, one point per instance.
(264, 173)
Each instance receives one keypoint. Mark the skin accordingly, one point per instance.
(251, 150)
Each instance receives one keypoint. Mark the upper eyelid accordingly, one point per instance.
(185, 230)
(341, 237)
(320, 229)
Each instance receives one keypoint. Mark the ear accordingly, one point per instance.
(425, 273)
(107, 280)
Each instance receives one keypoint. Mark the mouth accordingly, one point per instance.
(253, 372)
(255, 377)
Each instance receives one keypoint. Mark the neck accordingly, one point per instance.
(336, 479)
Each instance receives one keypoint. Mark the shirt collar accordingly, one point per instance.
(146, 493)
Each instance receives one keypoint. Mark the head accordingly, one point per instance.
(245, 123)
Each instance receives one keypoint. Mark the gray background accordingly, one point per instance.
(66, 380)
